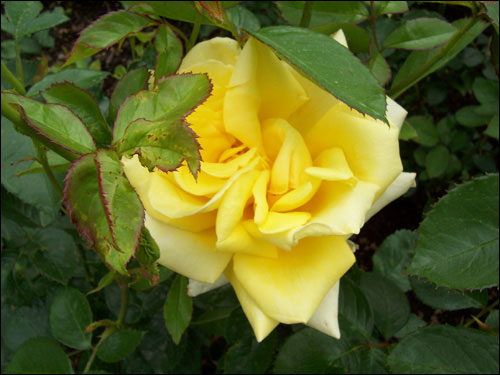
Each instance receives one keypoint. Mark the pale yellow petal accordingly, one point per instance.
(225, 50)
(339, 36)
(195, 288)
(331, 165)
(190, 254)
(290, 288)
(262, 324)
(371, 147)
(395, 113)
(325, 318)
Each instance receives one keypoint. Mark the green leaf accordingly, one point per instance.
(248, 356)
(20, 323)
(104, 282)
(44, 21)
(458, 240)
(104, 207)
(427, 134)
(324, 12)
(161, 136)
(492, 129)
(355, 315)
(419, 65)
(446, 299)
(492, 10)
(393, 255)
(334, 67)
(407, 132)
(170, 51)
(243, 19)
(83, 105)
(492, 320)
(32, 189)
(134, 81)
(469, 116)
(106, 31)
(436, 161)
(413, 323)
(365, 360)
(57, 257)
(390, 7)
(308, 352)
(21, 14)
(148, 251)
(389, 304)
(485, 91)
(69, 315)
(39, 355)
(445, 350)
(82, 78)
(420, 33)
(177, 309)
(379, 68)
(119, 345)
(54, 122)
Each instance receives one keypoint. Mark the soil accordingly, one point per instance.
(404, 213)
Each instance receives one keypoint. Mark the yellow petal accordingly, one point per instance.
(370, 147)
(233, 204)
(203, 185)
(229, 168)
(259, 192)
(190, 254)
(225, 50)
(277, 222)
(290, 288)
(262, 324)
(297, 197)
(281, 94)
(331, 165)
(240, 241)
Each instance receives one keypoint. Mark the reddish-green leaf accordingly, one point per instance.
(161, 137)
(55, 122)
(107, 30)
(82, 104)
(104, 207)
(169, 49)
(134, 81)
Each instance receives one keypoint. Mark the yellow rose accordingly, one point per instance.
(288, 174)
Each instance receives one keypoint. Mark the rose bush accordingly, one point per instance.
(288, 174)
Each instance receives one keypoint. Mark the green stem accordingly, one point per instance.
(124, 304)
(195, 32)
(13, 81)
(306, 14)
(42, 158)
(372, 23)
(19, 63)
(482, 312)
(420, 73)
(107, 332)
(11, 113)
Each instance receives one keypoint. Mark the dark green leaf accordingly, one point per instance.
(458, 240)
(413, 323)
(308, 352)
(104, 282)
(492, 129)
(104, 207)
(492, 320)
(420, 33)
(324, 12)
(106, 31)
(334, 68)
(148, 251)
(57, 257)
(177, 309)
(492, 10)
(32, 189)
(407, 132)
(44, 21)
(151, 123)
(358, 39)
(169, 49)
(39, 355)
(446, 299)
(54, 122)
(485, 91)
(392, 257)
(389, 7)
(243, 19)
(69, 315)
(134, 81)
(248, 356)
(83, 105)
(379, 68)
(365, 360)
(427, 133)
(22, 323)
(469, 116)
(436, 161)
(82, 78)
(445, 350)
(389, 304)
(21, 14)
(119, 345)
